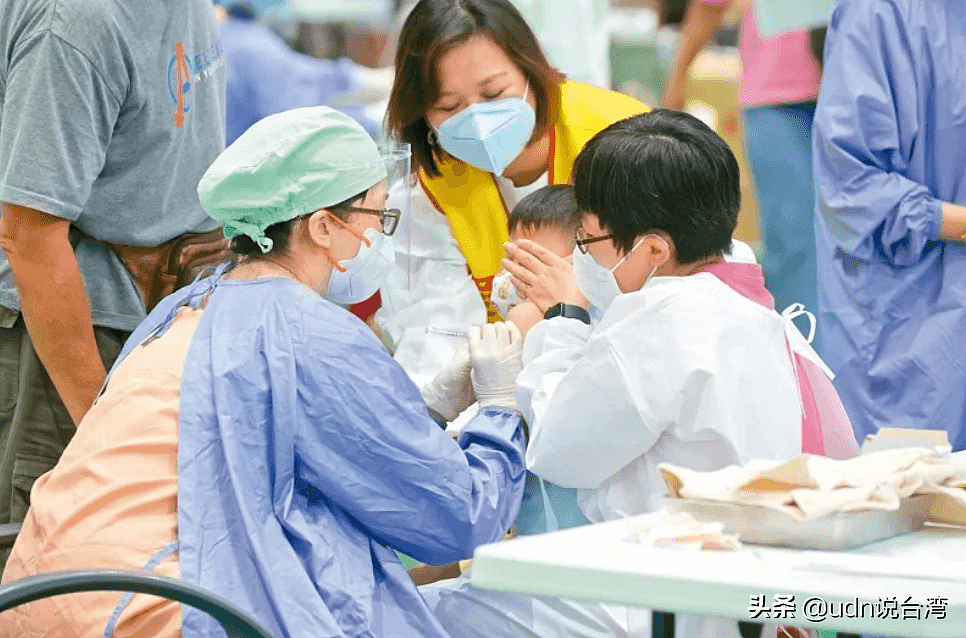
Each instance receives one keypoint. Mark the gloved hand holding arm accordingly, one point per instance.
(496, 353)
(377, 454)
(451, 391)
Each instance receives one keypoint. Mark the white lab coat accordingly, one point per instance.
(686, 371)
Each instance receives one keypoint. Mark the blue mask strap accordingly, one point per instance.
(126, 598)
(196, 293)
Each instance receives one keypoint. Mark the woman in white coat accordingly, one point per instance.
(690, 363)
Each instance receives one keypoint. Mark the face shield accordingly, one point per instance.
(393, 167)
(400, 180)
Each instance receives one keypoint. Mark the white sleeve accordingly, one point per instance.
(584, 421)
(550, 350)
(430, 285)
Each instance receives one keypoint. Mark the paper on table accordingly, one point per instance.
(807, 487)
(683, 531)
(779, 16)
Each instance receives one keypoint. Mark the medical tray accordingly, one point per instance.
(759, 525)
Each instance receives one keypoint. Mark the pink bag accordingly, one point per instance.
(826, 430)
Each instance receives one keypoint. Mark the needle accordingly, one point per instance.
(449, 333)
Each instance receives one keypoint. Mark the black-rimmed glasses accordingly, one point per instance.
(582, 239)
(389, 217)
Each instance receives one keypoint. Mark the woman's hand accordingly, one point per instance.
(544, 277)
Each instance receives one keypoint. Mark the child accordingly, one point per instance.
(549, 217)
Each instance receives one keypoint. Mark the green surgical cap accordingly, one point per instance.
(286, 165)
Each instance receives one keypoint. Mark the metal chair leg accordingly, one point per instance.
(662, 624)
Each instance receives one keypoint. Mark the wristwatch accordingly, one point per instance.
(569, 311)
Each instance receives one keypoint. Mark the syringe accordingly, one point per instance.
(449, 333)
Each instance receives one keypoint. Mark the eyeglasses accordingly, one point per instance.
(389, 217)
(583, 239)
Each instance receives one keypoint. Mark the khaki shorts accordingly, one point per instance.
(35, 427)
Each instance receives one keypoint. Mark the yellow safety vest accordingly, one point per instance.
(471, 199)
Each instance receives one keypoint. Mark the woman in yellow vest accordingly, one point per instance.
(489, 120)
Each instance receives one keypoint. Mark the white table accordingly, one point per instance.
(601, 563)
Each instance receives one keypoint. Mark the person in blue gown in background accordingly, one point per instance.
(890, 167)
(263, 75)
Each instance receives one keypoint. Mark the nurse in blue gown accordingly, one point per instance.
(306, 455)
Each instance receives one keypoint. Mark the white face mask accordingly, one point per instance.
(598, 283)
(365, 272)
(504, 295)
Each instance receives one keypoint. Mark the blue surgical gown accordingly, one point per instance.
(264, 76)
(306, 455)
(889, 147)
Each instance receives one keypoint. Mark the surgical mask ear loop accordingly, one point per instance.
(653, 270)
(624, 258)
(656, 266)
(328, 255)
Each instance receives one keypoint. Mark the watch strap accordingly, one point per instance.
(568, 311)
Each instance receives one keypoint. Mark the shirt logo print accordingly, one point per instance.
(181, 91)
(185, 72)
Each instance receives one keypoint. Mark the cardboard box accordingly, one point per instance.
(936, 437)
(892, 438)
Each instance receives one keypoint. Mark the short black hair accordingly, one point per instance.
(549, 207)
(281, 233)
(662, 171)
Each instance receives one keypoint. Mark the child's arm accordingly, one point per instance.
(525, 315)
(426, 574)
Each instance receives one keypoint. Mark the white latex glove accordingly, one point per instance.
(496, 352)
(451, 391)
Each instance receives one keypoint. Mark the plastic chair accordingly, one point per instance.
(236, 623)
